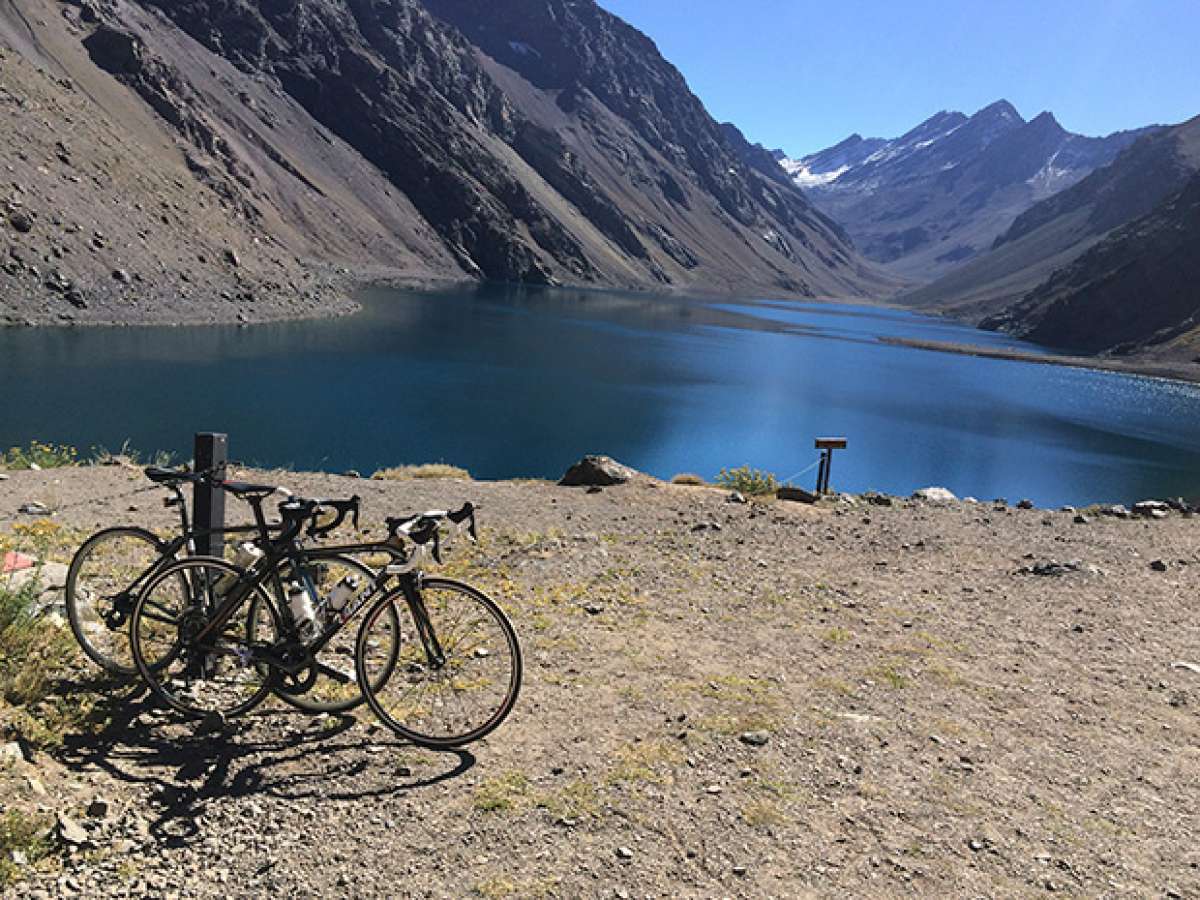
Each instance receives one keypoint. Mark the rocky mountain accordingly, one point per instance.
(528, 141)
(1065, 247)
(926, 202)
(1138, 289)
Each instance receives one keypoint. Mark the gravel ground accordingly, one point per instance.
(721, 699)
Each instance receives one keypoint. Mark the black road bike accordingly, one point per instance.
(436, 659)
(112, 567)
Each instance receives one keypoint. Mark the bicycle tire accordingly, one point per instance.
(487, 646)
(159, 672)
(105, 644)
(312, 701)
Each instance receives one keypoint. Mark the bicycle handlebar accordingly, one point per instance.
(343, 508)
(424, 529)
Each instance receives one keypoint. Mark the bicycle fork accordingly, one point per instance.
(420, 614)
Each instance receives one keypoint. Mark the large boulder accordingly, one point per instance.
(597, 471)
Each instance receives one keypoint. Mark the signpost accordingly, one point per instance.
(827, 445)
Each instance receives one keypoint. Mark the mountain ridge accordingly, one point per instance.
(940, 194)
(373, 134)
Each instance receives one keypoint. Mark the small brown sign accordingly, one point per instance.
(831, 443)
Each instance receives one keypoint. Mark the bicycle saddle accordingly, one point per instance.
(248, 491)
(160, 475)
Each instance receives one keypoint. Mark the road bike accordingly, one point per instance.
(436, 659)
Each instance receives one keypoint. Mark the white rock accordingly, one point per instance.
(935, 495)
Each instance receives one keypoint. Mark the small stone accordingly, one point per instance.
(99, 808)
(1025, 504)
(70, 831)
(1082, 519)
(713, 789)
(11, 753)
(1159, 565)
(34, 508)
(755, 738)
(232, 258)
(20, 222)
(739, 871)
(122, 276)
(1156, 509)
(1117, 511)
(736, 497)
(593, 609)
(624, 853)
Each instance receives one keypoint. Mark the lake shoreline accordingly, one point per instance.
(342, 292)
(1164, 371)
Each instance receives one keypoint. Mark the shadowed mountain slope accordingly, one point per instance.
(536, 142)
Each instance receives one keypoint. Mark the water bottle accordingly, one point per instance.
(303, 613)
(247, 555)
(342, 592)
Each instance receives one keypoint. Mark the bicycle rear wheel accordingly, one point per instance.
(459, 668)
(103, 581)
(224, 675)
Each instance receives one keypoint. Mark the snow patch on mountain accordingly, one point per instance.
(806, 178)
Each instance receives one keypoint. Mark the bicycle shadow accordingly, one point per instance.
(275, 753)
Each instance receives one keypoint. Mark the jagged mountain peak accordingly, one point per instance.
(941, 193)
(1046, 121)
(1001, 109)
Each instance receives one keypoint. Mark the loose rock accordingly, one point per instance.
(597, 471)
(755, 738)
(71, 832)
(935, 495)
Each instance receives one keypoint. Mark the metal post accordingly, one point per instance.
(208, 502)
(827, 446)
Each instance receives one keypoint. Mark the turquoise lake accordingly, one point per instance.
(514, 382)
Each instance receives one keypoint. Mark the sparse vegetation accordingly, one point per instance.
(102, 456)
(649, 761)
(39, 455)
(504, 793)
(748, 481)
(22, 837)
(427, 470)
(689, 479)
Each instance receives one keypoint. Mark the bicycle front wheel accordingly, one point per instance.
(103, 582)
(222, 674)
(459, 667)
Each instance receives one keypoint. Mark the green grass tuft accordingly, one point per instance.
(748, 481)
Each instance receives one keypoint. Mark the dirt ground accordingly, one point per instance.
(938, 719)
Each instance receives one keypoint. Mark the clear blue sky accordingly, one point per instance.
(803, 75)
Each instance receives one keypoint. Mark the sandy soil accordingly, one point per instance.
(939, 720)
